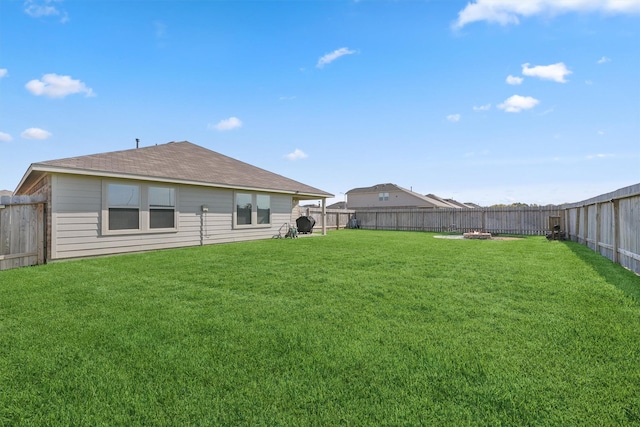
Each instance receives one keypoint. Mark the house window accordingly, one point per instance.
(124, 207)
(162, 207)
(383, 197)
(252, 209)
(244, 207)
(263, 205)
(138, 208)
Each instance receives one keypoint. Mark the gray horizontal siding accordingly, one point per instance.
(76, 217)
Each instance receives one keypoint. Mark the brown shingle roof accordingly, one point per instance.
(177, 162)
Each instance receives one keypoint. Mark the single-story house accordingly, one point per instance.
(392, 196)
(164, 196)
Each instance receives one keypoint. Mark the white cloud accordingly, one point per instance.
(453, 118)
(297, 154)
(41, 8)
(36, 10)
(3, 72)
(55, 86)
(604, 60)
(505, 12)
(556, 72)
(160, 29)
(5, 137)
(35, 133)
(227, 124)
(599, 156)
(486, 107)
(514, 80)
(517, 103)
(330, 57)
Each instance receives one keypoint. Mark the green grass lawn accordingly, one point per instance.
(355, 328)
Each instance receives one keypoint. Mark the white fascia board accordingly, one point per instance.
(115, 175)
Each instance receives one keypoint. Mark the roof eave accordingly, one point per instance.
(117, 175)
(26, 175)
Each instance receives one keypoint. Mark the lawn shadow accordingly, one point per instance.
(615, 274)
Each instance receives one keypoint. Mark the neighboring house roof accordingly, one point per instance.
(374, 188)
(473, 205)
(338, 205)
(386, 188)
(5, 193)
(458, 204)
(449, 204)
(453, 203)
(178, 162)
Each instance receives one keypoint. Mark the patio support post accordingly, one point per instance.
(324, 216)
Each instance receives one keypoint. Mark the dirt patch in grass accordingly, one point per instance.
(460, 237)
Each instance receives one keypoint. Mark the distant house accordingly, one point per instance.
(5, 193)
(165, 196)
(392, 196)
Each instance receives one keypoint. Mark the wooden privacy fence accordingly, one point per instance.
(335, 218)
(609, 224)
(22, 232)
(528, 221)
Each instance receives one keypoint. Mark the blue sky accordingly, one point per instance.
(485, 101)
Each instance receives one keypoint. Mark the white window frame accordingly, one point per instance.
(254, 210)
(383, 197)
(170, 206)
(144, 209)
(130, 204)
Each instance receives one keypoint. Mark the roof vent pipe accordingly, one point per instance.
(137, 143)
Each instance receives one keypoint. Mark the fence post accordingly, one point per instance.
(586, 225)
(40, 233)
(324, 217)
(578, 212)
(616, 229)
(597, 244)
